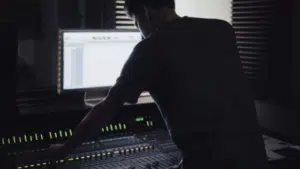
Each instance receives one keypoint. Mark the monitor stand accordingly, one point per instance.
(92, 98)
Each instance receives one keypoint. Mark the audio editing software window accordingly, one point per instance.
(95, 59)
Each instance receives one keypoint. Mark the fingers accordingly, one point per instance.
(7, 163)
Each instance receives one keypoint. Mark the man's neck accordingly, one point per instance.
(168, 16)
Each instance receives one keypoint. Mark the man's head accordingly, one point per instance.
(150, 14)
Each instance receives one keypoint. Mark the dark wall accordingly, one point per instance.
(8, 48)
(45, 47)
(282, 50)
(39, 22)
(295, 68)
(284, 119)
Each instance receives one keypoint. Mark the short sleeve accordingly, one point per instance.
(140, 73)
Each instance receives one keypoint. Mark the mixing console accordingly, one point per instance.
(137, 140)
(128, 152)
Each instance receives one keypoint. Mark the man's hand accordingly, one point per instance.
(56, 152)
(52, 154)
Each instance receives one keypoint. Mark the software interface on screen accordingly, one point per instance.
(95, 59)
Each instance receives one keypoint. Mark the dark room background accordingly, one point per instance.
(38, 23)
(272, 68)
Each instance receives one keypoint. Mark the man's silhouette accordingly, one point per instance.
(192, 69)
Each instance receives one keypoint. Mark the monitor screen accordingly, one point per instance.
(95, 59)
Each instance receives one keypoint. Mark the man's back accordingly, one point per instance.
(192, 69)
(204, 95)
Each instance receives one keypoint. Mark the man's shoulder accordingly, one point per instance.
(206, 21)
(146, 45)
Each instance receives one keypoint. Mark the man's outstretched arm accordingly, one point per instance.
(98, 117)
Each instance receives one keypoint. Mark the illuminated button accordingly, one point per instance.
(142, 148)
(50, 135)
(151, 123)
(87, 156)
(14, 139)
(150, 147)
(36, 137)
(19, 168)
(55, 135)
(82, 157)
(132, 150)
(38, 165)
(124, 126)
(20, 140)
(137, 149)
(31, 139)
(109, 154)
(116, 127)
(60, 133)
(107, 129)
(61, 161)
(98, 155)
(3, 141)
(8, 140)
(146, 147)
(77, 158)
(31, 165)
(70, 132)
(71, 159)
(44, 163)
(93, 156)
(111, 127)
(122, 152)
(42, 137)
(116, 153)
(103, 130)
(66, 134)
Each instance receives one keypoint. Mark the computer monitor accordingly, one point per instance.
(90, 59)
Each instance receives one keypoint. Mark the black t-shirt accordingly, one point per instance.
(192, 69)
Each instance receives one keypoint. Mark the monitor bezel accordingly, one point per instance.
(60, 63)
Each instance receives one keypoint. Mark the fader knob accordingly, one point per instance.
(150, 147)
(148, 166)
(109, 154)
(155, 164)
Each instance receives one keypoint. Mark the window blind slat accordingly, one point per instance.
(121, 19)
(252, 22)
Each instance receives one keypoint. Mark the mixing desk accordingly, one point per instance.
(126, 152)
(136, 139)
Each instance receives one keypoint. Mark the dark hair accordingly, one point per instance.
(135, 6)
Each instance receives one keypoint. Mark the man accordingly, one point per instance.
(192, 70)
